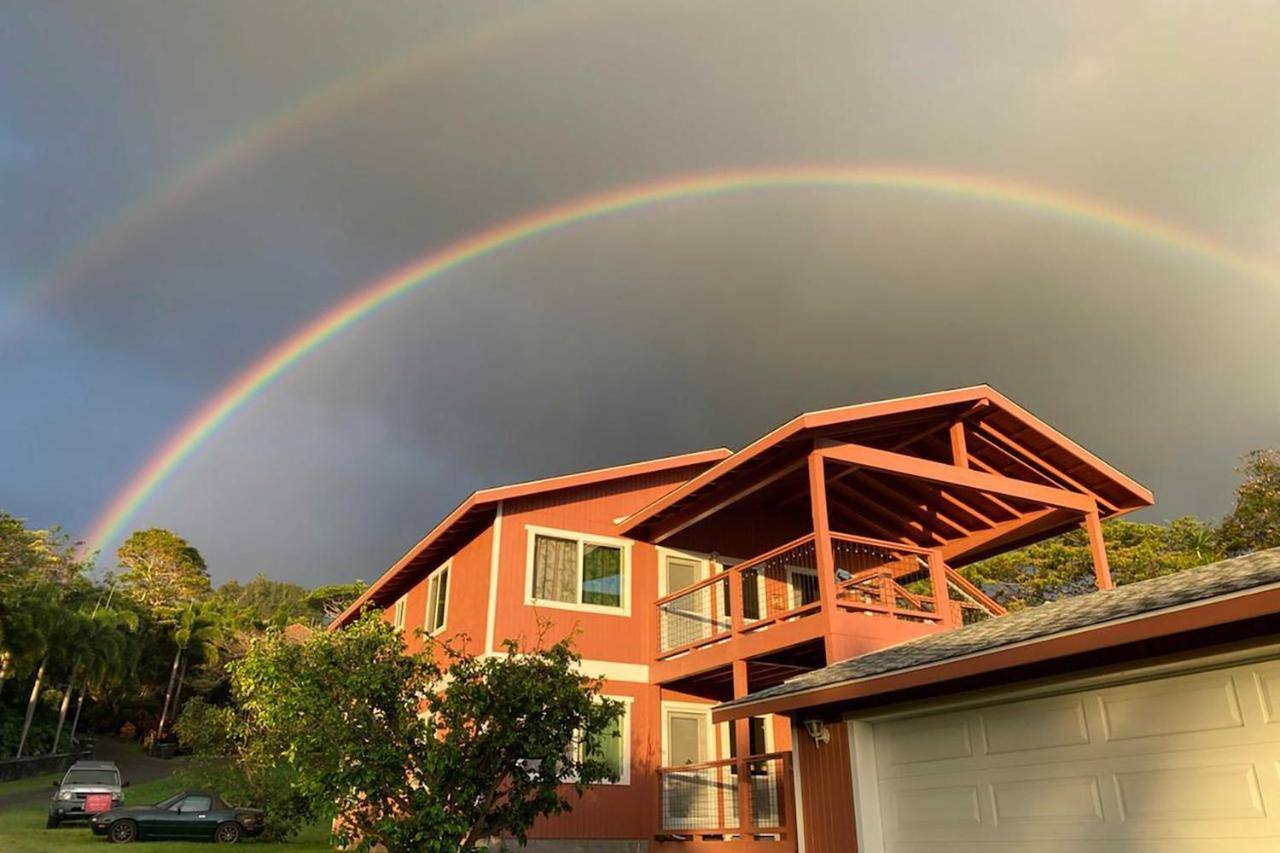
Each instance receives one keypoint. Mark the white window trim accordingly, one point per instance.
(703, 561)
(434, 580)
(791, 572)
(532, 531)
(398, 612)
(685, 708)
(625, 732)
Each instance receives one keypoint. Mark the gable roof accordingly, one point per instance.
(477, 511)
(1121, 492)
(1214, 582)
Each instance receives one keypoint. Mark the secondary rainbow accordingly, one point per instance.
(369, 298)
(129, 224)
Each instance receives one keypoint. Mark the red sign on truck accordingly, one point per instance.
(94, 803)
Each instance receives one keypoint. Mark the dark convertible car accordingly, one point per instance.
(191, 814)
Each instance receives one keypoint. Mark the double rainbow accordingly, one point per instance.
(369, 298)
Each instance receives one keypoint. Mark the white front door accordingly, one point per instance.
(1183, 763)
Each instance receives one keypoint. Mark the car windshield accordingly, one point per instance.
(169, 803)
(91, 777)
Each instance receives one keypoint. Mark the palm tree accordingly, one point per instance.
(196, 631)
(54, 626)
(102, 647)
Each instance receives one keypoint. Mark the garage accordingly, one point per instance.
(1172, 762)
(1144, 719)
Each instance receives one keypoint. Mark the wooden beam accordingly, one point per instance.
(978, 463)
(885, 515)
(1012, 444)
(824, 556)
(932, 498)
(923, 515)
(910, 502)
(936, 472)
(959, 450)
(941, 595)
(1101, 570)
(859, 518)
(1007, 529)
(699, 511)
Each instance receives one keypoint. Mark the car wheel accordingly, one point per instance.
(51, 822)
(227, 833)
(123, 831)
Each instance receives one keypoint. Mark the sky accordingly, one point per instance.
(184, 185)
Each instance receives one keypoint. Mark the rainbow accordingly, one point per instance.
(374, 295)
(100, 244)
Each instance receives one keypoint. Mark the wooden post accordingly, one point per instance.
(824, 558)
(941, 595)
(959, 450)
(742, 738)
(1101, 569)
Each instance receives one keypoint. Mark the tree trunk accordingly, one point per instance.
(66, 703)
(177, 694)
(168, 696)
(31, 705)
(75, 721)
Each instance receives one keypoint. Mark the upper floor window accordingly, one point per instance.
(437, 601)
(578, 571)
(397, 616)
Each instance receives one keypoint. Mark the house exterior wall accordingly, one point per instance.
(825, 790)
(619, 647)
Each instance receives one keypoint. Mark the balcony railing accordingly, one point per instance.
(872, 577)
(701, 800)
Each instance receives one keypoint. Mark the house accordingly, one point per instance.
(1141, 718)
(707, 580)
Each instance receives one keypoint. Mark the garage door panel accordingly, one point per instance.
(1170, 707)
(1266, 681)
(1186, 764)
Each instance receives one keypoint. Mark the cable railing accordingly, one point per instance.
(872, 578)
(707, 799)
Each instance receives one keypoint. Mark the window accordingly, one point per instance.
(195, 804)
(614, 746)
(579, 572)
(437, 601)
(397, 618)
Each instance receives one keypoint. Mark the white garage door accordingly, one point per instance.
(1177, 764)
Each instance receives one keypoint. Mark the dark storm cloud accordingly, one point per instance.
(692, 324)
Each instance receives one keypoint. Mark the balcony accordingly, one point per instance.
(776, 600)
(703, 802)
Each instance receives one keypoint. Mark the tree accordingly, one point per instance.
(1254, 522)
(161, 569)
(434, 751)
(196, 632)
(1063, 566)
(266, 602)
(327, 602)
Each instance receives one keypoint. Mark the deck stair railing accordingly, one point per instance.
(873, 578)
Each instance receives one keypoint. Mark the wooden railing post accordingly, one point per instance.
(824, 556)
(941, 595)
(735, 602)
(742, 738)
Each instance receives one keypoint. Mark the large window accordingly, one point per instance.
(580, 572)
(437, 601)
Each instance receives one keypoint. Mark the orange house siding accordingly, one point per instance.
(826, 791)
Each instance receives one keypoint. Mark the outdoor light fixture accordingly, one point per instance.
(818, 731)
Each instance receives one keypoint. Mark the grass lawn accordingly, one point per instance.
(22, 828)
(33, 783)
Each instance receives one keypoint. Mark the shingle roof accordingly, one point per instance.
(1070, 614)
